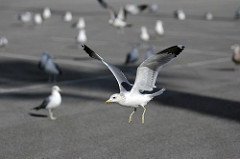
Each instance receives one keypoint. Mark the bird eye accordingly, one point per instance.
(114, 97)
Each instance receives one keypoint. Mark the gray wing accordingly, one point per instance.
(124, 84)
(43, 104)
(122, 14)
(148, 71)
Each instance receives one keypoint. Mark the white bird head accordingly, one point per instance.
(56, 88)
(116, 98)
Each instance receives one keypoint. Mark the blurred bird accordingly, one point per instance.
(159, 28)
(144, 34)
(25, 17)
(103, 4)
(80, 24)
(143, 90)
(46, 13)
(179, 14)
(81, 37)
(3, 41)
(67, 17)
(52, 69)
(153, 8)
(43, 61)
(37, 19)
(208, 16)
(132, 56)
(237, 16)
(135, 9)
(236, 55)
(51, 102)
(149, 52)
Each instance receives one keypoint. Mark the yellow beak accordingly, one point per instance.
(108, 101)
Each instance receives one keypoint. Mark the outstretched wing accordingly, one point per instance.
(122, 14)
(124, 84)
(103, 3)
(148, 71)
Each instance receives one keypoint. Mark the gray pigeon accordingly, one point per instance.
(133, 55)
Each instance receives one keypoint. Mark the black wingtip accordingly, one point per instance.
(173, 50)
(90, 52)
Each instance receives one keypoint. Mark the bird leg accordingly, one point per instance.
(51, 115)
(143, 115)
(130, 117)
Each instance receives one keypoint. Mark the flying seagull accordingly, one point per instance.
(51, 102)
(142, 91)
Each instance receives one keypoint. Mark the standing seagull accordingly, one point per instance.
(37, 19)
(3, 41)
(132, 56)
(139, 94)
(25, 17)
(236, 55)
(51, 102)
(81, 37)
(46, 13)
(159, 28)
(179, 14)
(80, 24)
(144, 34)
(52, 69)
(67, 17)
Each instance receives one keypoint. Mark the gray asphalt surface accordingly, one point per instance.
(197, 117)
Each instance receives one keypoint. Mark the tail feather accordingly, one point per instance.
(37, 108)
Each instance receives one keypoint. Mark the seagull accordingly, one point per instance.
(236, 55)
(132, 56)
(25, 17)
(142, 91)
(43, 60)
(144, 34)
(159, 28)
(179, 14)
(80, 24)
(37, 19)
(46, 13)
(135, 9)
(149, 52)
(81, 37)
(51, 102)
(52, 69)
(208, 16)
(67, 17)
(237, 16)
(3, 41)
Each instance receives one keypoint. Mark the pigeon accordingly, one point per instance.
(25, 17)
(37, 19)
(143, 90)
(3, 41)
(132, 56)
(46, 13)
(159, 28)
(52, 69)
(51, 102)
(179, 14)
(149, 52)
(144, 34)
(80, 24)
(81, 37)
(236, 55)
(43, 60)
(67, 17)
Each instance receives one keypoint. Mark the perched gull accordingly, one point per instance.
(80, 24)
(43, 60)
(37, 19)
(3, 41)
(81, 37)
(135, 9)
(52, 69)
(159, 28)
(46, 13)
(149, 52)
(237, 16)
(236, 55)
(25, 17)
(179, 14)
(67, 17)
(208, 16)
(144, 34)
(51, 102)
(132, 56)
(142, 91)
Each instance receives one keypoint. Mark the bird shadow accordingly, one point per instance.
(38, 115)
